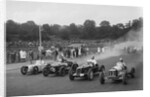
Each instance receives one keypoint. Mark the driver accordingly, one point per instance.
(93, 61)
(61, 60)
(120, 65)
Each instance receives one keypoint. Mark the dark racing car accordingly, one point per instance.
(58, 68)
(87, 71)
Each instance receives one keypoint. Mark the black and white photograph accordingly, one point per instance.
(64, 48)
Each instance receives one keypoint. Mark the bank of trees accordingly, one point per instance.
(28, 31)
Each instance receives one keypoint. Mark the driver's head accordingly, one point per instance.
(121, 60)
(93, 57)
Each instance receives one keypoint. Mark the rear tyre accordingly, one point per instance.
(101, 78)
(124, 80)
(24, 70)
(132, 72)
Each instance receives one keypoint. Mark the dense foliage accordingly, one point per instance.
(29, 31)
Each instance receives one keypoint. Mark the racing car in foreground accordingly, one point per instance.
(58, 68)
(86, 70)
(115, 75)
(35, 68)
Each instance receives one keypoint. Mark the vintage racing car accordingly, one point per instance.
(115, 75)
(58, 68)
(86, 70)
(35, 68)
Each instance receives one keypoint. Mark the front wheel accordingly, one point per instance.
(24, 70)
(90, 75)
(62, 71)
(74, 67)
(45, 72)
(101, 77)
(35, 70)
(102, 68)
(71, 77)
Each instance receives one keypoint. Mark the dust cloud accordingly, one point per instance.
(133, 39)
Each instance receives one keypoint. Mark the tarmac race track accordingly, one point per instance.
(19, 85)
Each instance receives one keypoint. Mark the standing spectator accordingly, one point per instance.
(9, 57)
(76, 51)
(103, 49)
(72, 51)
(98, 50)
(31, 55)
(68, 53)
(13, 56)
(43, 53)
(79, 51)
(82, 51)
(17, 56)
(87, 50)
(56, 54)
(23, 55)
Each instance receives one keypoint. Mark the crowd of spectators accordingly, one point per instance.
(28, 51)
(20, 51)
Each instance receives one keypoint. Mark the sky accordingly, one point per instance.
(65, 14)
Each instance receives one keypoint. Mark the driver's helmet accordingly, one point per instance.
(93, 57)
(121, 60)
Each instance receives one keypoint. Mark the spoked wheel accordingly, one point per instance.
(90, 75)
(71, 77)
(24, 70)
(62, 71)
(102, 68)
(102, 78)
(72, 70)
(124, 80)
(74, 67)
(45, 72)
(35, 70)
(132, 72)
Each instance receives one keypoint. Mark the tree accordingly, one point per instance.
(74, 31)
(89, 29)
(104, 23)
(64, 33)
(137, 23)
(46, 32)
(29, 31)
(120, 26)
(12, 30)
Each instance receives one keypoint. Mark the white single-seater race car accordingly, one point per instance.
(35, 68)
(117, 75)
